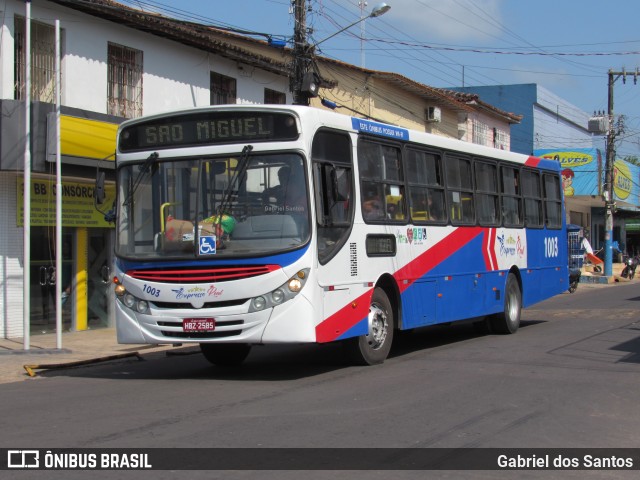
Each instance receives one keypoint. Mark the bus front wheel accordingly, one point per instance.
(373, 348)
(508, 320)
(225, 354)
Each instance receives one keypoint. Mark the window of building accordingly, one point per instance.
(223, 89)
(124, 71)
(500, 139)
(43, 61)
(480, 132)
(426, 187)
(273, 97)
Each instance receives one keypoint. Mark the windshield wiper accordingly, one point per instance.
(239, 175)
(144, 168)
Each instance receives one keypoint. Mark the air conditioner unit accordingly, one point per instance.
(434, 115)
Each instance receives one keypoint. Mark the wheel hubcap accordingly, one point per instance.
(377, 326)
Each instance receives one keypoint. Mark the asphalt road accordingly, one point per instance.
(568, 379)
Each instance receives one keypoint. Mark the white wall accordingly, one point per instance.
(558, 123)
(11, 248)
(175, 76)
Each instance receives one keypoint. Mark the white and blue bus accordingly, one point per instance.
(244, 225)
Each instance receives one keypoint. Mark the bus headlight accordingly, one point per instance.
(129, 300)
(259, 303)
(295, 284)
(281, 294)
(277, 295)
(141, 306)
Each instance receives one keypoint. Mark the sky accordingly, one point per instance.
(566, 46)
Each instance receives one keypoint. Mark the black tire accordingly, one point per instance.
(508, 321)
(625, 272)
(225, 354)
(373, 348)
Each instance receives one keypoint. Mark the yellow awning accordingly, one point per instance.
(81, 137)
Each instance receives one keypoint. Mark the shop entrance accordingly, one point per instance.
(43, 279)
(99, 278)
(86, 291)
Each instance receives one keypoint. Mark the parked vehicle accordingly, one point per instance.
(629, 270)
(575, 255)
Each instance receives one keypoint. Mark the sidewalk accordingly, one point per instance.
(78, 348)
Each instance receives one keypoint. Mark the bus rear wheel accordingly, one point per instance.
(508, 321)
(225, 354)
(373, 348)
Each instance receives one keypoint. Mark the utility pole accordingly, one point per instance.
(609, 168)
(301, 53)
(305, 81)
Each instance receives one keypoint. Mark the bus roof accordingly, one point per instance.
(313, 118)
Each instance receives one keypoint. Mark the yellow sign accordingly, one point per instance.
(569, 159)
(622, 182)
(78, 208)
(81, 137)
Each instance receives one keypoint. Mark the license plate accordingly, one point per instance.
(198, 325)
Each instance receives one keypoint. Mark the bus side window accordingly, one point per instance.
(511, 200)
(460, 190)
(333, 190)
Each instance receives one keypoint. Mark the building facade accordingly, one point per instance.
(548, 121)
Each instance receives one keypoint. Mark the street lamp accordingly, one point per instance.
(305, 83)
(377, 11)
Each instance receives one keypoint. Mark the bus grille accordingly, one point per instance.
(201, 335)
(175, 305)
(201, 274)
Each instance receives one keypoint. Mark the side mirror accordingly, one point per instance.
(99, 194)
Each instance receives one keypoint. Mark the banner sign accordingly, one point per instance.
(582, 167)
(78, 209)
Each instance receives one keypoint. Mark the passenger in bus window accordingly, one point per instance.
(372, 208)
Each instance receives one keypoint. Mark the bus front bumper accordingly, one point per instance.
(291, 322)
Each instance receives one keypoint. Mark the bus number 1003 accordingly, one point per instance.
(551, 247)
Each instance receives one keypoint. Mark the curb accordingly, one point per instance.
(53, 366)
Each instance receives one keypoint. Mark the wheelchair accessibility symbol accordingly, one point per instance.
(207, 245)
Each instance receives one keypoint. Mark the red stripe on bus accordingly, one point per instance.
(532, 162)
(485, 250)
(492, 249)
(349, 315)
(435, 255)
(345, 318)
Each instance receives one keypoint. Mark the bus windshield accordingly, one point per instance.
(241, 205)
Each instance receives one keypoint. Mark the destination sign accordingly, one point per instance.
(207, 128)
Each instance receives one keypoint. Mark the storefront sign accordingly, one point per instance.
(78, 208)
